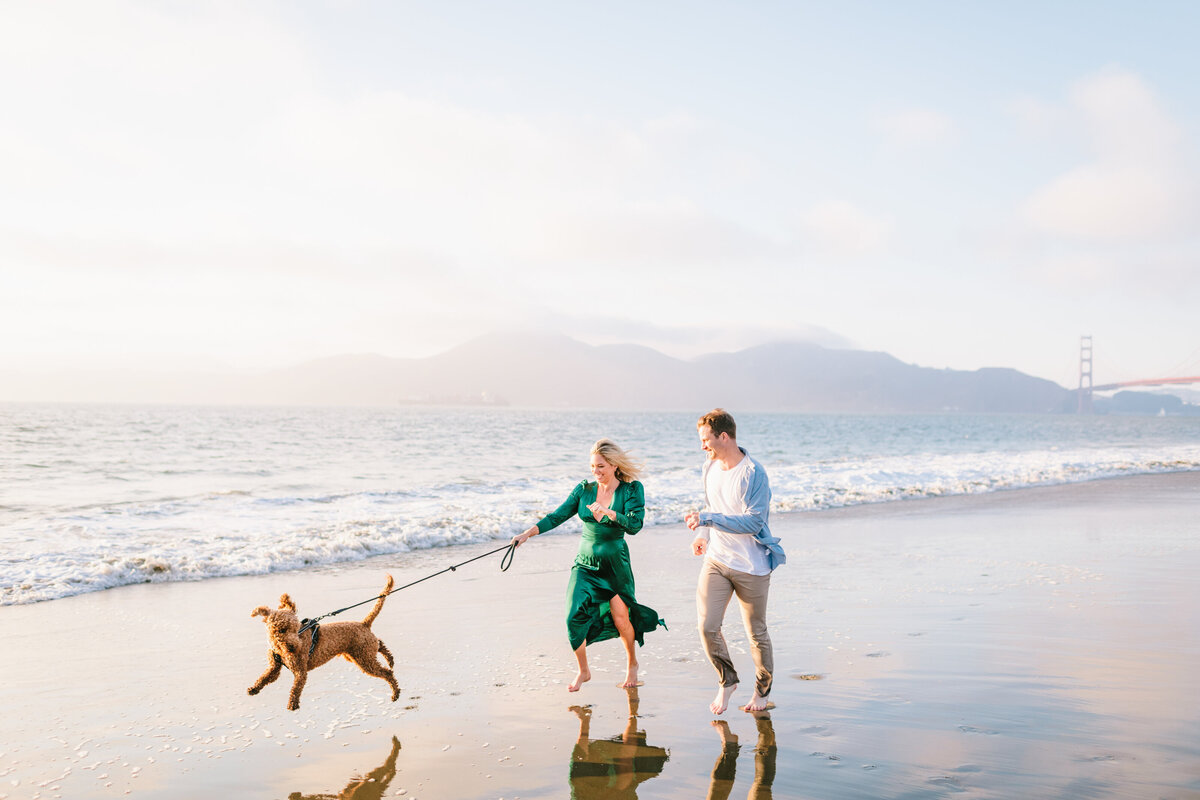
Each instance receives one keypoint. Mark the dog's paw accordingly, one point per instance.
(253, 690)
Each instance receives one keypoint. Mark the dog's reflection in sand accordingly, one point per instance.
(612, 769)
(372, 786)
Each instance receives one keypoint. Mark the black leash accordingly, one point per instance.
(505, 563)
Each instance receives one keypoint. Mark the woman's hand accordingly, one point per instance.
(523, 537)
(599, 512)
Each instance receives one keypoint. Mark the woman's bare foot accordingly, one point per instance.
(721, 701)
(582, 677)
(756, 704)
(631, 680)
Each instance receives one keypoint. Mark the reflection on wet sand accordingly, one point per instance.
(725, 770)
(371, 786)
(612, 769)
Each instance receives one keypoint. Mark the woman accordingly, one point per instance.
(600, 600)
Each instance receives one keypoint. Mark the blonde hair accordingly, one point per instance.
(627, 468)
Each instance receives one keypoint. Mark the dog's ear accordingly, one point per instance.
(261, 611)
(285, 601)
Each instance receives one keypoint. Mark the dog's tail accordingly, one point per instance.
(369, 618)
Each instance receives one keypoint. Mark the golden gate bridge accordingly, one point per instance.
(1085, 378)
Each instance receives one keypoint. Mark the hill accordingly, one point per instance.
(541, 370)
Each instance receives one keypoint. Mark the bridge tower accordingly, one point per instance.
(1085, 375)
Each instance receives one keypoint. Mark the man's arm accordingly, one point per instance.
(758, 503)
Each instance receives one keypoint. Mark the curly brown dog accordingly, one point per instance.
(296, 651)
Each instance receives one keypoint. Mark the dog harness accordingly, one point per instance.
(316, 634)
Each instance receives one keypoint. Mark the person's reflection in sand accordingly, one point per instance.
(371, 786)
(725, 770)
(612, 769)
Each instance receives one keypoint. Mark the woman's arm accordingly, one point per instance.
(629, 518)
(557, 517)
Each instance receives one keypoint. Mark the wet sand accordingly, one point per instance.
(1032, 643)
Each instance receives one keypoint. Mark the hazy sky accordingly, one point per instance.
(961, 184)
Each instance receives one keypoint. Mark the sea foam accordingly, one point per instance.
(89, 506)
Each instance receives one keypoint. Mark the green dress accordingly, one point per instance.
(602, 567)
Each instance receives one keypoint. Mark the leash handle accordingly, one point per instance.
(507, 559)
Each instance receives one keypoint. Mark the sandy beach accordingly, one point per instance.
(1030, 643)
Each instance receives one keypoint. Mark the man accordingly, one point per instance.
(740, 553)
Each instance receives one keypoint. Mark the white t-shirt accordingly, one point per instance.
(735, 550)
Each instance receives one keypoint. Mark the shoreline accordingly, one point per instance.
(417, 555)
(1029, 642)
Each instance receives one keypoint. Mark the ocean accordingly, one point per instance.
(95, 497)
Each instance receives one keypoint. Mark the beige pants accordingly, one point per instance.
(718, 584)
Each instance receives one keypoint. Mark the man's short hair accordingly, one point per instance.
(719, 421)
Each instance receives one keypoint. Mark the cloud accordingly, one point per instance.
(1035, 116)
(918, 127)
(1110, 202)
(1125, 119)
(1138, 185)
(202, 182)
(123, 117)
(654, 236)
(842, 230)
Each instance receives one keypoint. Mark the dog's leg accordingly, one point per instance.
(267, 677)
(300, 678)
(371, 666)
(387, 654)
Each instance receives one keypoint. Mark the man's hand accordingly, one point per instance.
(692, 520)
(699, 546)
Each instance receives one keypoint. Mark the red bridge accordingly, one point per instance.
(1085, 378)
(1106, 387)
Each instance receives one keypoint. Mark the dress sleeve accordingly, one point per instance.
(568, 509)
(629, 517)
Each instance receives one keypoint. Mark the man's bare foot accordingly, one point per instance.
(582, 677)
(631, 680)
(757, 704)
(721, 701)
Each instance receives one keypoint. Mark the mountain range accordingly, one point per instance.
(555, 371)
